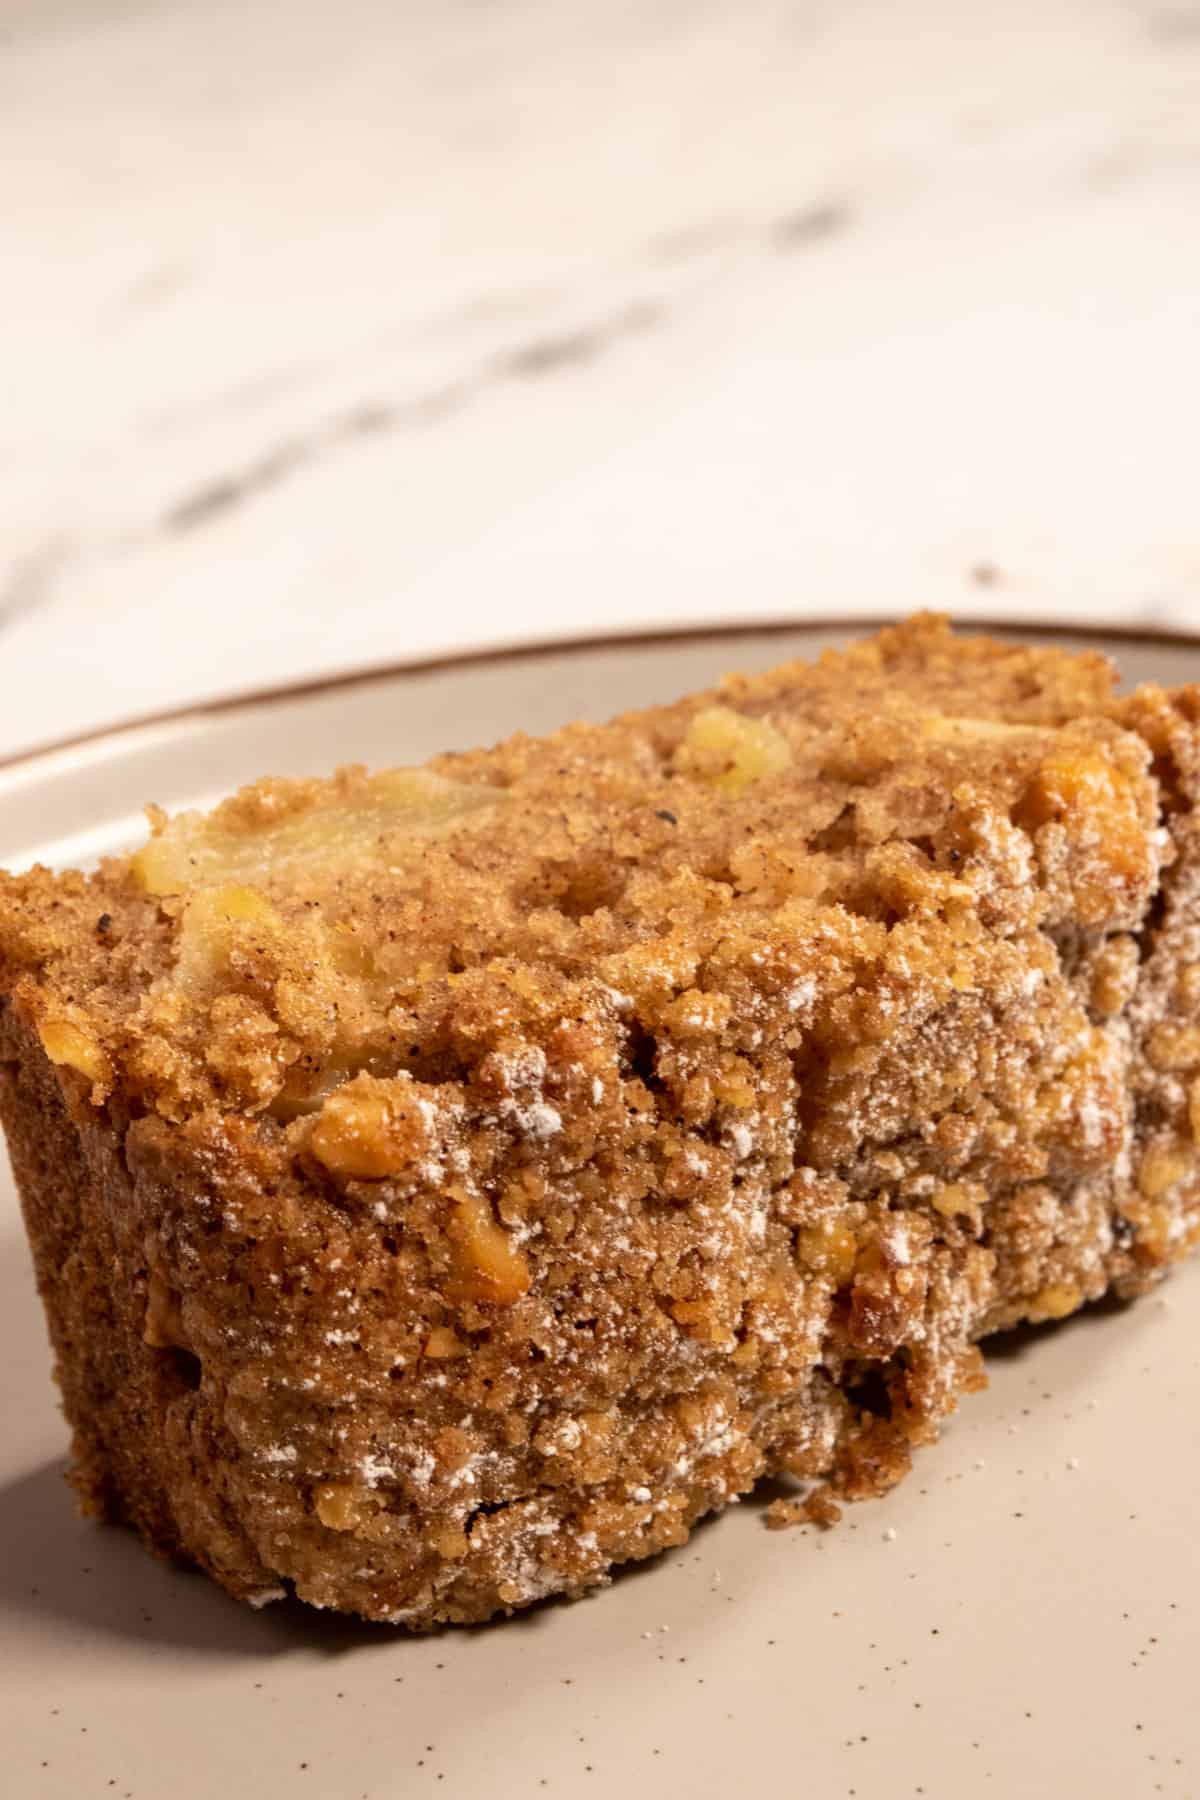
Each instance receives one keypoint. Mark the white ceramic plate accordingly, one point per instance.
(1022, 1617)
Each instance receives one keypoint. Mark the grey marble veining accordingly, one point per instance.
(335, 334)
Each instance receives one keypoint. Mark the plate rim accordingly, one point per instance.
(517, 650)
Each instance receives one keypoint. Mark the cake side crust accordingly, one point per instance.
(631, 1226)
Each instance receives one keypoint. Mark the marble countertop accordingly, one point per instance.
(334, 334)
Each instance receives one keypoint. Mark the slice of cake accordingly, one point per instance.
(446, 1184)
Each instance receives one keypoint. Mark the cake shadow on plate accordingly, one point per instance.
(69, 1574)
(64, 1574)
(1018, 1341)
(75, 1575)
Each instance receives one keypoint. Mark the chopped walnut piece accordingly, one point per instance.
(1175, 1047)
(1056, 1301)
(818, 1508)
(74, 1047)
(828, 1249)
(443, 1345)
(960, 1199)
(1164, 1165)
(342, 1506)
(1097, 806)
(489, 1264)
(1154, 1233)
(369, 1129)
(1114, 973)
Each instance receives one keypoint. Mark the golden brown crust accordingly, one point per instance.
(521, 1158)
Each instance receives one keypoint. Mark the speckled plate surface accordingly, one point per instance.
(1022, 1617)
